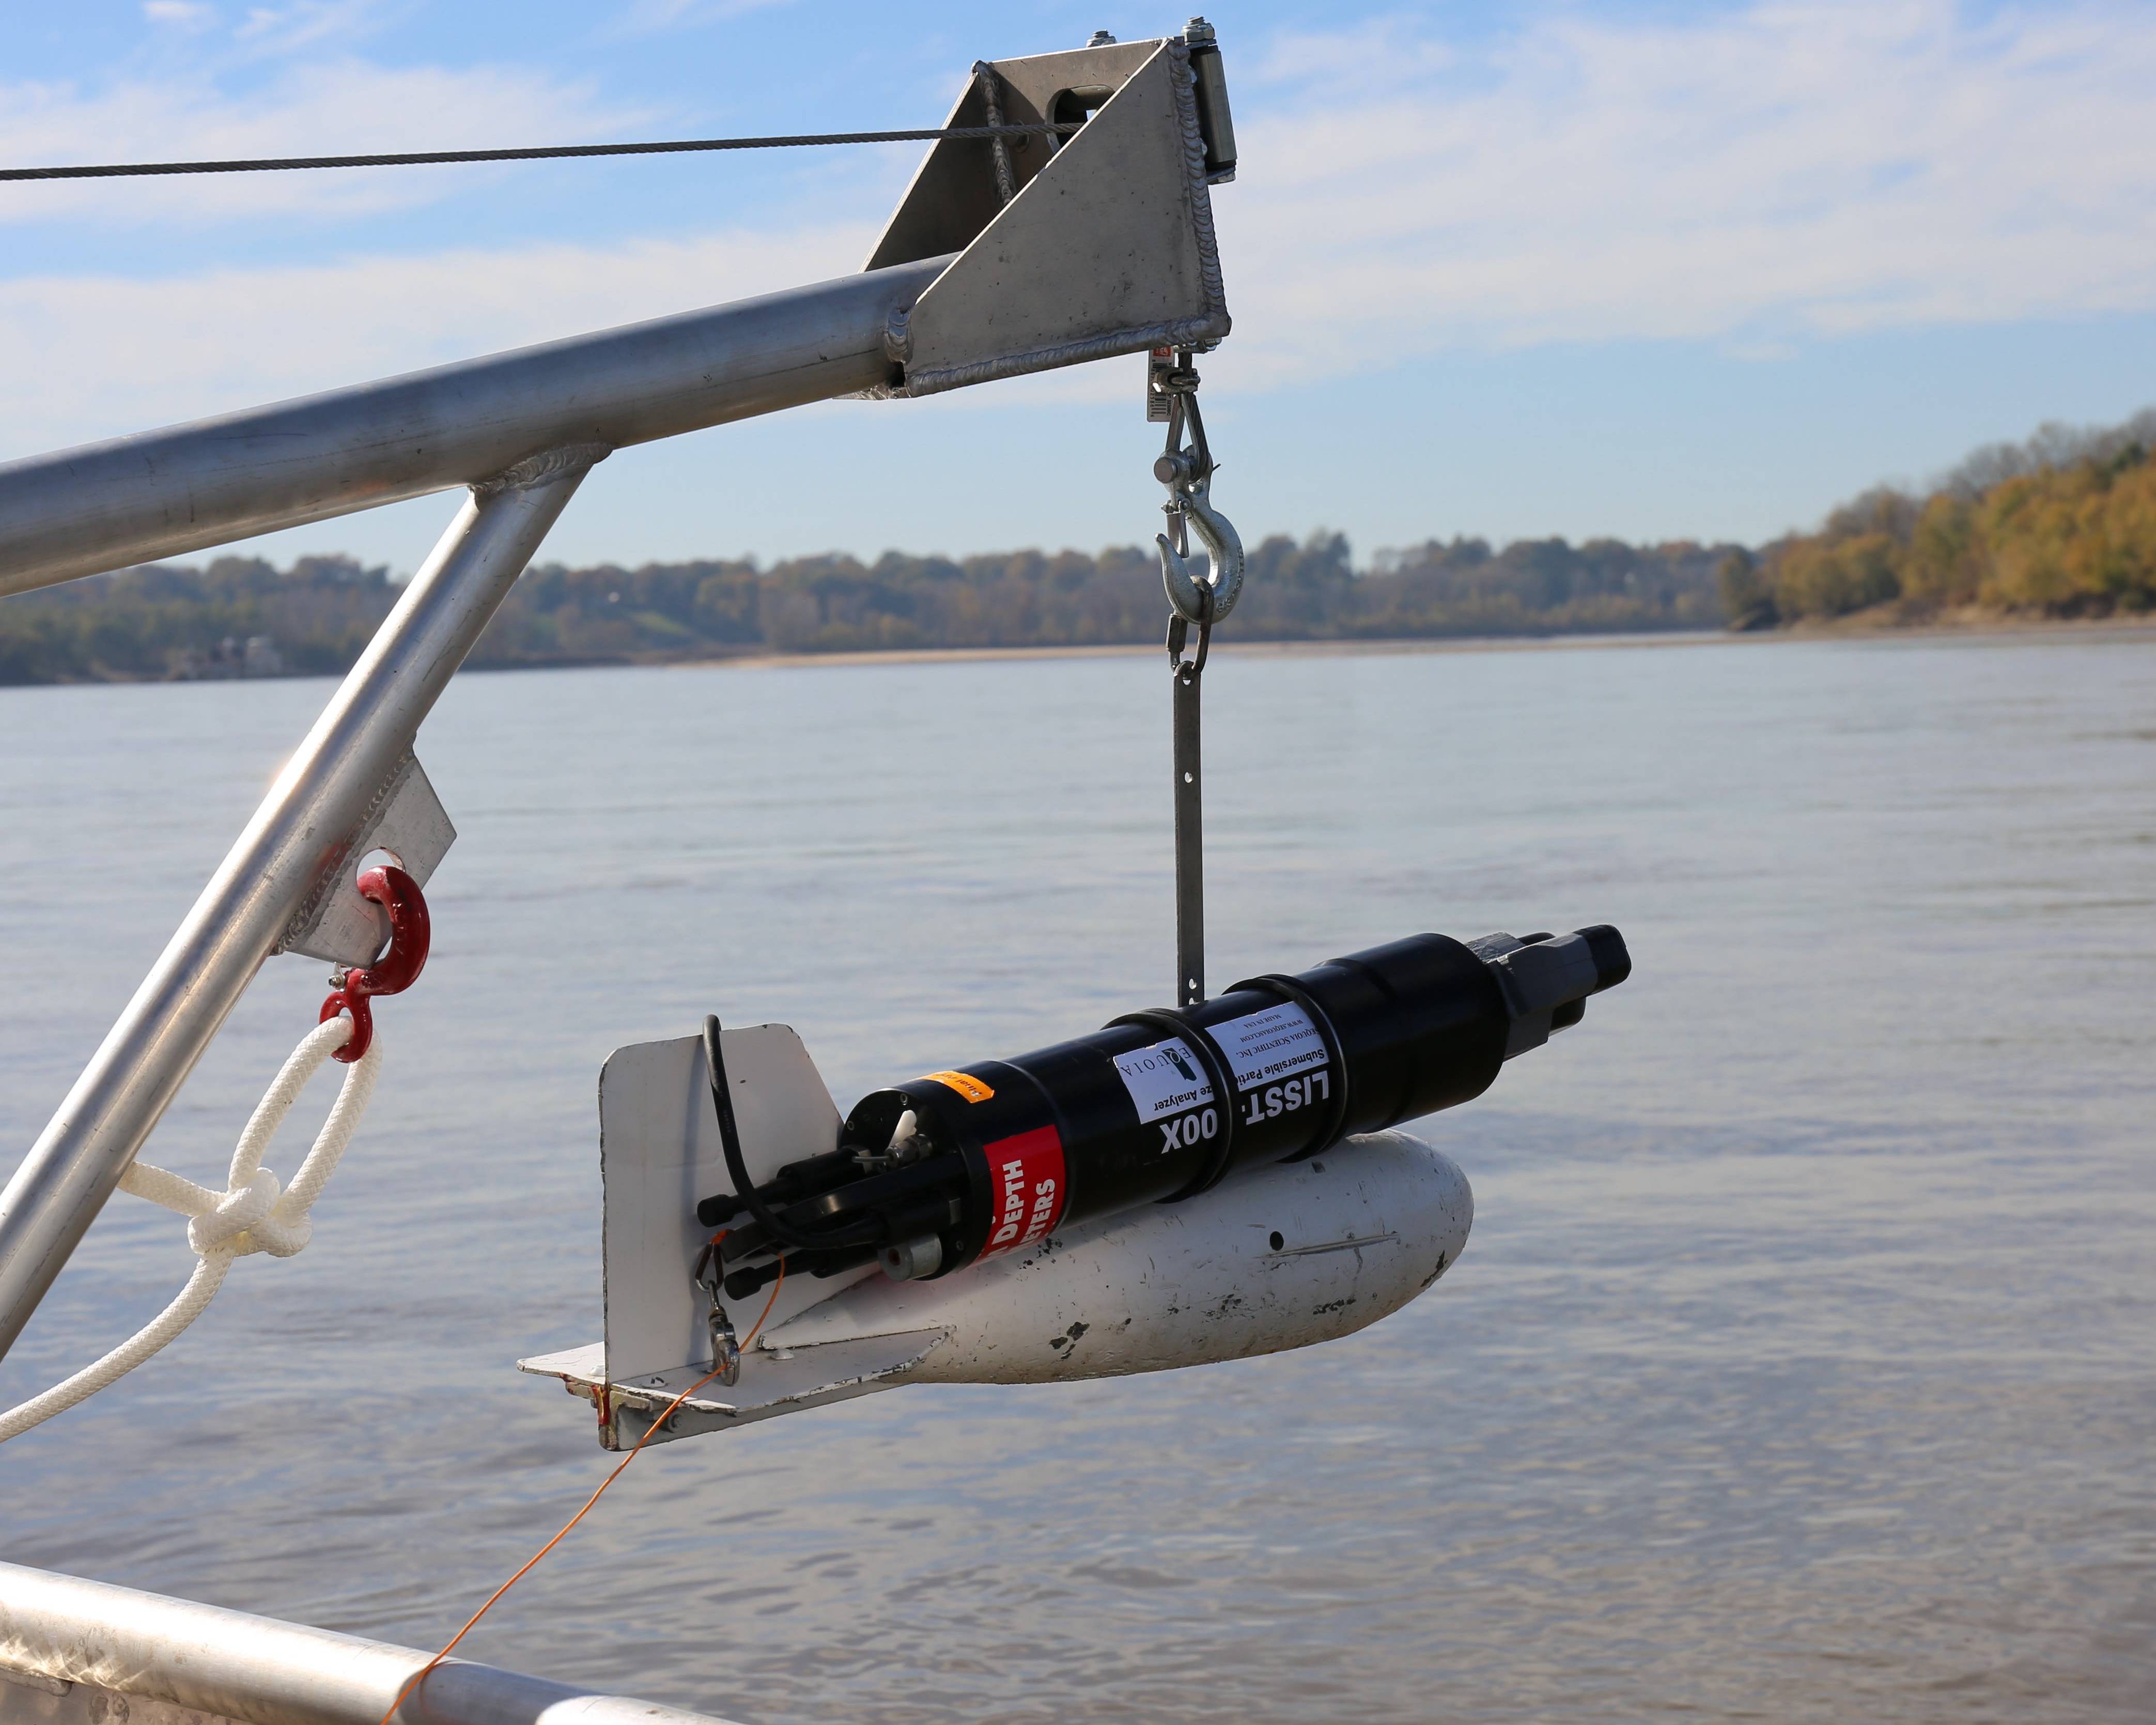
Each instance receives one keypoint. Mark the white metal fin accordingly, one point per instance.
(660, 1152)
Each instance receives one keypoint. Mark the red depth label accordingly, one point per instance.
(1025, 1176)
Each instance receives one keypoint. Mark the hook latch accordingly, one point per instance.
(1206, 595)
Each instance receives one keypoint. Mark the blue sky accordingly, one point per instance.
(1683, 270)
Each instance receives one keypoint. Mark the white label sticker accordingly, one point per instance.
(1163, 1078)
(1261, 1048)
(1275, 1043)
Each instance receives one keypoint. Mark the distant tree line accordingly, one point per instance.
(168, 622)
(2062, 525)
(240, 616)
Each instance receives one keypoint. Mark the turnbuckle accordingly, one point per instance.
(410, 934)
(1205, 598)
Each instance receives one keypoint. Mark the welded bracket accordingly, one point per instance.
(408, 821)
(1107, 246)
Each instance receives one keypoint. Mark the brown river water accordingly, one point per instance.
(1801, 1365)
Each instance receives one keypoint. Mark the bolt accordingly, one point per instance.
(1100, 38)
(1198, 31)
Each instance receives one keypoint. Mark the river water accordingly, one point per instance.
(1801, 1366)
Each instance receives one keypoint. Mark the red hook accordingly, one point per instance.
(395, 970)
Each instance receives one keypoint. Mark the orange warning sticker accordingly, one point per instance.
(968, 1087)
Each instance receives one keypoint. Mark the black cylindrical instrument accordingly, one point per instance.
(937, 1173)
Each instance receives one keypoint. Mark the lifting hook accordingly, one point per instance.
(410, 934)
(1206, 597)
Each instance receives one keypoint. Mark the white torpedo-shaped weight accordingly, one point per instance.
(1273, 1258)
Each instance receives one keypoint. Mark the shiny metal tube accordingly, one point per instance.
(162, 493)
(80, 1643)
(316, 809)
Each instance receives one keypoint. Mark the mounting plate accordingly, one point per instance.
(408, 821)
(1108, 248)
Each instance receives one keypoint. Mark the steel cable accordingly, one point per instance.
(414, 158)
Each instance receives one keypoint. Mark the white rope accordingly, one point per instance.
(252, 1214)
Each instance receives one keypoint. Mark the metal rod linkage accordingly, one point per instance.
(313, 812)
(1189, 841)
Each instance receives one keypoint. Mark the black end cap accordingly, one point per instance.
(1612, 963)
(747, 1284)
(715, 1212)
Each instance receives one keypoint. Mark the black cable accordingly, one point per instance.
(780, 1234)
(414, 158)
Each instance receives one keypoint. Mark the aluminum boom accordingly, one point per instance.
(161, 494)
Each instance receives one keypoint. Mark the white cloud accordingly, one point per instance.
(1793, 169)
(644, 17)
(100, 357)
(1758, 178)
(285, 29)
(187, 13)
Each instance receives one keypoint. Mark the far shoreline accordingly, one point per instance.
(1865, 628)
(1851, 629)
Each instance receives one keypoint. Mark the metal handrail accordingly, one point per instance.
(67, 1645)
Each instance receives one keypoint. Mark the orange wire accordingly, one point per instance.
(412, 1681)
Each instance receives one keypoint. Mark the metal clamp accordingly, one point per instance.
(1219, 1078)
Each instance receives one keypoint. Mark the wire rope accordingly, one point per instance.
(549, 152)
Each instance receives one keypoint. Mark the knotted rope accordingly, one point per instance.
(254, 1213)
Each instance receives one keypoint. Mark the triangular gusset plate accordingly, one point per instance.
(1108, 250)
